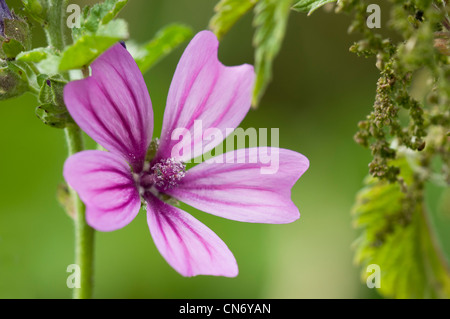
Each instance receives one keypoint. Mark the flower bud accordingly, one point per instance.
(11, 83)
(53, 111)
(53, 116)
(4, 14)
(15, 34)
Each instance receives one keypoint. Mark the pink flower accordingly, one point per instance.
(114, 108)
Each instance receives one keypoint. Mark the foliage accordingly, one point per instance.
(406, 133)
(98, 32)
(270, 22)
(228, 12)
(309, 6)
(391, 210)
(43, 71)
(401, 120)
(52, 110)
(397, 236)
(165, 40)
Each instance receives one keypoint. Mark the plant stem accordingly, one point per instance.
(54, 27)
(84, 234)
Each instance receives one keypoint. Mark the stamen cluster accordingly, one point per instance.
(163, 175)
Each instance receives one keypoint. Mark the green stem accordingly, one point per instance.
(84, 234)
(54, 27)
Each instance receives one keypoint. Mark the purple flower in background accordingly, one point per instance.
(113, 106)
(4, 14)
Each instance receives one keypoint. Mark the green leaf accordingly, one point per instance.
(24, 77)
(50, 64)
(89, 46)
(228, 12)
(18, 29)
(78, 32)
(11, 48)
(33, 6)
(102, 13)
(35, 55)
(97, 33)
(270, 20)
(164, 42)
(15, 38)
(35, 9)
(309, 6)
(437, 203)
(398, 237)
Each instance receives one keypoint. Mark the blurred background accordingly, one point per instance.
(319, 93)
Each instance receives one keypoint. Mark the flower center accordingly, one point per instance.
(168, 173)
(163, 175)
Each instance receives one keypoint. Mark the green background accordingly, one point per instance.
(319, 93)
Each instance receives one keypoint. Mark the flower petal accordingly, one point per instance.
(245, 189)
(188, 246)
(205, 90)
(113, 105)
(105, 184)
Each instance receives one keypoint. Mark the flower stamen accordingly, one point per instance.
(163, 175)
(168, 173)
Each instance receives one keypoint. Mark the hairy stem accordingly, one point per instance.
(84, 234)
(54, 26)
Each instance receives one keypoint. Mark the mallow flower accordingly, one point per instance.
(113, 107)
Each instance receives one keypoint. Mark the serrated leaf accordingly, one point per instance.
(400, 240)
(110, 9)
(102, 13)
(164, 42)
(94, 17)
(309, 6)
(78, 32)
(97, 33)
(228, 12)
(89, 46)
(270, 20)
(437, 201)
